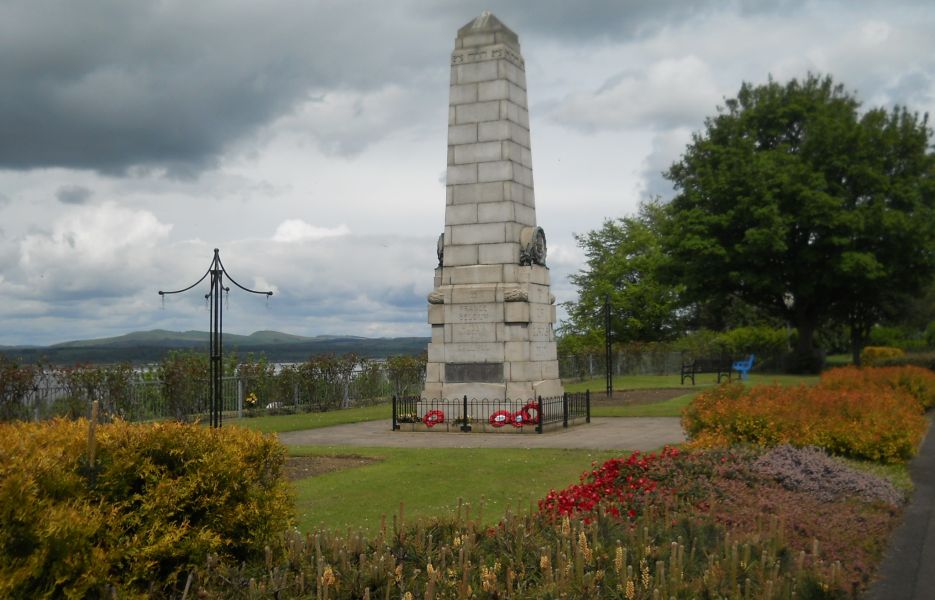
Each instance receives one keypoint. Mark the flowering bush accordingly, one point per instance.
(915, 381)
(873, 414)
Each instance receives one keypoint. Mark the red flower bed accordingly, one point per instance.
(621, 487)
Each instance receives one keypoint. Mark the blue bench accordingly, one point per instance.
(743, 366)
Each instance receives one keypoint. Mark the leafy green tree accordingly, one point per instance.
(797, 204)
(623, 258)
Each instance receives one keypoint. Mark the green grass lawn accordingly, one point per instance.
(642, 382)
(298, 422)
(430, 482)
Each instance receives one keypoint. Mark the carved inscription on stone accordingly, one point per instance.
(472, 313)
(474, 372)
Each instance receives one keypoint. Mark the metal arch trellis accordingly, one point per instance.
(217, 272)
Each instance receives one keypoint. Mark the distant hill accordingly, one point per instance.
(151, 346)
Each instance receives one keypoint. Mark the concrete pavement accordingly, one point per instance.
(602, 433)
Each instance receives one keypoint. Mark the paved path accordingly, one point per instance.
(908, 569)
(603, 433)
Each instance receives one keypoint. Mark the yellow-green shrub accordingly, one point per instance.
(158, 499)
(874, 355)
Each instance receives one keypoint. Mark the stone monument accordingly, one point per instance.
(491, 311)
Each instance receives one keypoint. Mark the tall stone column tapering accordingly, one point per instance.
(491, 311)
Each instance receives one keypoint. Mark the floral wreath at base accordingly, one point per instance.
(527, 415)
(530, 413)
(501, 418)
(433, 417)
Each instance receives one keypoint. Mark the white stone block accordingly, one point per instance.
(472, 274)
(436, 352)
(460, 214)
(480, 233)
(521, 391)
(438, 334)
(521, 174)
(474, 293)
(550, 369)
(474, 332)
(521, 214)
(477, 39)
(538, 293)
(473, 352)
(495, 212)
(525, 371)
(526, 274)
(516, 351)
(493, 131)
(509, 71)
(512, 332)
(542, 351)
(477, 112)
(501, 170)
(478, 152)
(457, 256)
(480, 192)
(553, 316)
(540, 332)
(458, 174)
(493, 90)
(436, 314)
(515, 152)
(451, 115)
(462, 134)
(432, 391)
(477, 71)
(516, 312)
(540, 313)
(550, 387)
(462, 94)
(492, 254)
(475, 391)
(433, 372)
(518, 133)
(451, 155)
(474, 313)
(518, 95)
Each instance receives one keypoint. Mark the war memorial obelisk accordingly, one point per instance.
(491, 311)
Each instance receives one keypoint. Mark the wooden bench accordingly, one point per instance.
(721, 366)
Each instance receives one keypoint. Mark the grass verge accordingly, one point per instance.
(430, 482)
(704, 380)
(313, 420)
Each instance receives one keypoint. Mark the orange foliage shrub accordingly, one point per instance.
(915, 381)
(858, 413)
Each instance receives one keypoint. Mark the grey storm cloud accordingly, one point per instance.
(73, 194)
(109, 85)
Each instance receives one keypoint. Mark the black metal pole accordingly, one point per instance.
(465, 426)
(216, 327)
(565, 410)
(541, 416)
(608, 350)
(395, 427)
(587, 404)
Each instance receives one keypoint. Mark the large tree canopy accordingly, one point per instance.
(798, 204)
(623, 258)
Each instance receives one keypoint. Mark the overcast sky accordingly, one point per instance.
(307, 140)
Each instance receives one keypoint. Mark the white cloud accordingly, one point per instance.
(297, 230)
(92, 249)
(669, 92)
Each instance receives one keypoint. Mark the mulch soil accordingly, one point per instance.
(301, 467)
(626, 397)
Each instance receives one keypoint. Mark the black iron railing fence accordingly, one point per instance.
(533, 416)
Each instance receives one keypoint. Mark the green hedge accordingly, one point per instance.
(155, 501)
